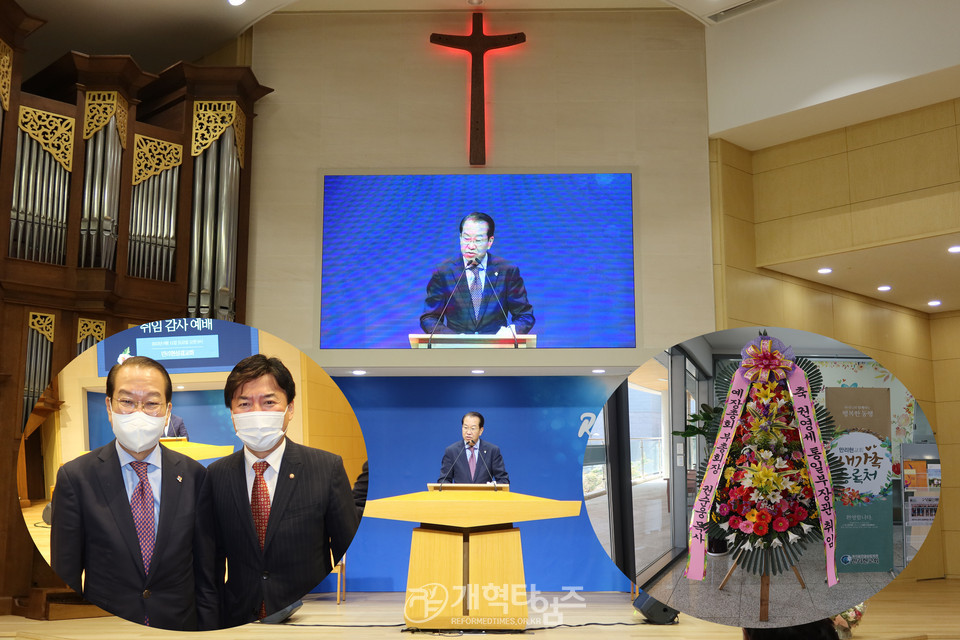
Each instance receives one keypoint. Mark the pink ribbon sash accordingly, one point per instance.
(814, 453)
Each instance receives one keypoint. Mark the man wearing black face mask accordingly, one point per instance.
(280, 507)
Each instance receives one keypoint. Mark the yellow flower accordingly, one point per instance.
(751, 515)
(728, 473)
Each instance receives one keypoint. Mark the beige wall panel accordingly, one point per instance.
(950, 461)
(737, 193)
(947, 374)
(716, 224)
(850, 321)
(805, 150)
(906, 332)
(819, 233)
(932, 411)
(720, 297)
(946, 421)
(929, 561)
(800, 188)
(754, 298)
(902, 125)
(740, 246)
(945, 336)
(914, 373)
(733, 156)
(951, 560)
(367, 90)
(807, 309)
(900, 217)
(951, 517)
(689, 316)
(907, 164)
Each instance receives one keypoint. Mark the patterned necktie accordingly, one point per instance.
(476, 290)
(260, 501)
(141, 504)
(472, 462)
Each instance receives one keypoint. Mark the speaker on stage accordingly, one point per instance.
(654, 611)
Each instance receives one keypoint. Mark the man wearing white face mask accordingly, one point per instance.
(134, 517)
(280, 507)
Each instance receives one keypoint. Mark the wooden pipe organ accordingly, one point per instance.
(129, 202)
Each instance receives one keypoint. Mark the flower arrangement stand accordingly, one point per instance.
(764, 585)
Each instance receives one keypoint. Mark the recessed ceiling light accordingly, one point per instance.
(825, 270)
(180, 386)
(475, 3)
(934, 303)
(883, 287)
(359, 372)
(477, 371)
(954, 249)
(236, 3)
(599, 371)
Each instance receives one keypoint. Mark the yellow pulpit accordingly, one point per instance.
(466, 562)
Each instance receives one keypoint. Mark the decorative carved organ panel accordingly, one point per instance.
(218, 133)
(41, 180)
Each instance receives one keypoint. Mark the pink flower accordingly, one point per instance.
(723, 509)
(797, 455)
(781, 524)
(746, 526)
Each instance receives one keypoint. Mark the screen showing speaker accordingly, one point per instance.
(566, 239)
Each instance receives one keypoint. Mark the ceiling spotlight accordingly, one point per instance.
(825, 270)
(236, 3)
(599, 371)
(883, 287)
(934, 303)
(180, 386)
(475, 3)
(477, 371)
(359, 372)
(954, 249)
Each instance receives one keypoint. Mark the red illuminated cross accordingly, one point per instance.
(477, 44)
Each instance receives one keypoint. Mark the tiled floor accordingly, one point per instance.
(738, 604)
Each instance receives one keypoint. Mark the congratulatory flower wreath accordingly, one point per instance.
(769, 481)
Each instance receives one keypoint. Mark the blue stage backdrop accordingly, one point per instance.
(536, 421)
(383, 235)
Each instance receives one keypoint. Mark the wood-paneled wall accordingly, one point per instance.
(879, 182)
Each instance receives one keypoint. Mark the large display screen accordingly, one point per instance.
(569, 235)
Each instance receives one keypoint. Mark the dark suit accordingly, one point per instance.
(454, 467)
(176, 428)
(311, 513)
(501, 276)
(93, 530)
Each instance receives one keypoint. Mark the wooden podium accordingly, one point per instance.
(472, 341)
(466, 564)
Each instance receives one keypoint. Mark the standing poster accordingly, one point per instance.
(864, 508)
(914, 474)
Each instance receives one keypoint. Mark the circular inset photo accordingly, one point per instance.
(193, 474)
(776, 477)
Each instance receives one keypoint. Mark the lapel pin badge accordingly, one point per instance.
(179, 478)
(291, 476)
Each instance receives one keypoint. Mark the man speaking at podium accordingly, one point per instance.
(472, 460)
(476, 292)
